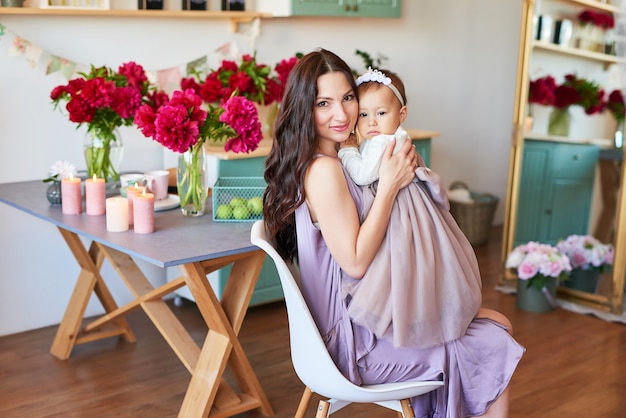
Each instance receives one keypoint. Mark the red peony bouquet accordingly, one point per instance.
(600, 19)
(104, 100)
(183, 124)
(615, 105)
(259, 83)
(573, 91)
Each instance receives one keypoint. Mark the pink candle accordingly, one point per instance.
(71, 198)
(95, 196)
(117, 214)
(143, 212)
(131, 192)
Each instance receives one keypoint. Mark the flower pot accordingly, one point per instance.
(532, 299)
(559, 122)
(584, 280)
(193, 181)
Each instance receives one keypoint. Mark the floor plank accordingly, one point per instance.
(574, 366)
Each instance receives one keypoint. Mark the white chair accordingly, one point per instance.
(311, 360)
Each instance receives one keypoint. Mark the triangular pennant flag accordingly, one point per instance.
(169, 79)
(197, 67)
(66, 67)
(21, 46)
(252, 32)
(228, 51)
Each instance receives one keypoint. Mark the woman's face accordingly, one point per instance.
(336, 109)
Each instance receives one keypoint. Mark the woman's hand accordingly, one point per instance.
(397, 171)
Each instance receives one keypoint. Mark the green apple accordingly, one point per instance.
(255, 205)
(238, 201)
(240, 212)
(224, 212)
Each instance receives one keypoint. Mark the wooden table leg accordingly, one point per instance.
(222, 346)
(89, 280)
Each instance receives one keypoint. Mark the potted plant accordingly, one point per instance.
(588, 257)
(539, 268)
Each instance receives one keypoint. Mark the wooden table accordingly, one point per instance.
(197, 246)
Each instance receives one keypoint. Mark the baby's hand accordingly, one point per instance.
(350, 142)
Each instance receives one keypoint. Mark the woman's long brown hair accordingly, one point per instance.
(294, 146)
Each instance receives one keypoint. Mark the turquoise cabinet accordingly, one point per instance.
(268, 287)
(423, 148)
(347, 8)
(556, 191)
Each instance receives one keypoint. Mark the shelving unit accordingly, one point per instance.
(235, 17)
(528, 167)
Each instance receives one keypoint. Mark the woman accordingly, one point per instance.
(311, 208)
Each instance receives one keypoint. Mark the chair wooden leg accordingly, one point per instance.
(407, 410)
(322, 409)
(304, 403)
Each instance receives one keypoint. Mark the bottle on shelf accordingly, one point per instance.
(238, 5)
(194, 5)
(150, 4)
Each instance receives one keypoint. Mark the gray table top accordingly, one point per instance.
(177, 239)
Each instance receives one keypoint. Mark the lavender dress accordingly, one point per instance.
(476, 367)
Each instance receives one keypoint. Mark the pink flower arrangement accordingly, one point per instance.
(586, 252)
(600, 19)
(538, 263)
(257, 82)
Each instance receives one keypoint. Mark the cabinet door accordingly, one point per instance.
(556, 191)
(353, 8)
(422, 146)
(531, 209)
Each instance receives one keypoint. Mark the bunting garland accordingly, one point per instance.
(167, 79)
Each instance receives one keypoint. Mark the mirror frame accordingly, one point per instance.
(614, 301)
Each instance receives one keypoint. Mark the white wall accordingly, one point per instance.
(458, 59)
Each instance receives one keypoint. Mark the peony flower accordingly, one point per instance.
(586, 252)
(538, 263)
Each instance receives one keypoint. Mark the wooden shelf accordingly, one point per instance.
(592, 4)
(565, 50)
(235, 17)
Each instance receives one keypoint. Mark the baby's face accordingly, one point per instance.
(379, 112)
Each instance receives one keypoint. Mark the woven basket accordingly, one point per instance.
(474, 218)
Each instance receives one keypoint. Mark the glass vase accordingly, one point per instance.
(618, 136)
(53, 193)
(193, 181)
(104, 154)
(559, 122)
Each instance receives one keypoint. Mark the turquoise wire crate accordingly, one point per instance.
(238, 199)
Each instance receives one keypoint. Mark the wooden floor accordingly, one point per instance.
(574, 366)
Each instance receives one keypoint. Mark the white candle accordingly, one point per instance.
(117, 214)
(143, 212)
(95, 196)
(71, 198)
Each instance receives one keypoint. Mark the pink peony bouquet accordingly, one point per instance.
(586, 252)
(538, 263)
